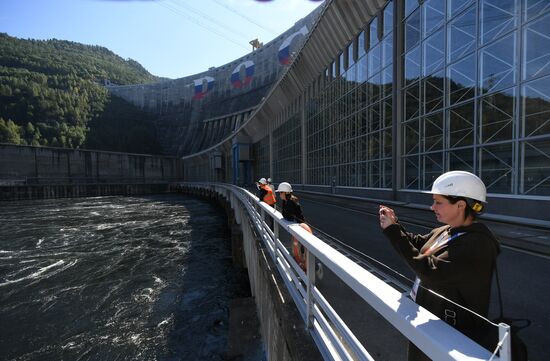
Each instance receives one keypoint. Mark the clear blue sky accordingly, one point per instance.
(170, 38)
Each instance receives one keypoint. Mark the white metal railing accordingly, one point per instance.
(335, 340)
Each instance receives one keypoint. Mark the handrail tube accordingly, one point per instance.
(352, 341)
(339, 347)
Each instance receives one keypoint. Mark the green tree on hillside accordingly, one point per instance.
(51, 91)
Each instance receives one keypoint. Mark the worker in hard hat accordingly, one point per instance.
(455, 260)
(265, 193)
(291, 209)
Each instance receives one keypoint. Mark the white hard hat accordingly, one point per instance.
(284, 187)
(268, 180)
(262, 181)
(459, 183)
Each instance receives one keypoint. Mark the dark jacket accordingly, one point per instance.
(292, 211)
(461, 271)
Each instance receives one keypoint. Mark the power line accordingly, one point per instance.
(199, 23)
(245, 17)
(213, 20)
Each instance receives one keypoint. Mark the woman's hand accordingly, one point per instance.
(387, 216)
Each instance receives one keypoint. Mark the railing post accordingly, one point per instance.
(505, 332)
(310, 271)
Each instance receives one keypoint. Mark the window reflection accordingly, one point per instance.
(536, 55)
(497, 114)
(496, 167)
(462, 35)
(497, 18)
(462, 79)
(461, 125)
(498, 64)
(412, 30)
(536, 167)
(434, 15)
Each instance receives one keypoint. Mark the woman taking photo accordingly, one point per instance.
(456, 260)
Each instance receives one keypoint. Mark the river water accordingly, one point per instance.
(115, 278)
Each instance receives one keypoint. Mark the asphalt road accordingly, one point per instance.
(523, 275)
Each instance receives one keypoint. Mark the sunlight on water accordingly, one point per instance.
(114, 278)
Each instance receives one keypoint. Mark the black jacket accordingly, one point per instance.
(461, 271)
(292, 211)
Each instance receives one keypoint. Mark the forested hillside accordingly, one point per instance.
(51, 94)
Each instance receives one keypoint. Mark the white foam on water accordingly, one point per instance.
(39, 242)
(39, 274)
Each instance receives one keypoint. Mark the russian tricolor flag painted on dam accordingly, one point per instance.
(203, 86)
(284, 49)
(236, 75)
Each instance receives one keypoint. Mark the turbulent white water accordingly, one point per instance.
(115, 278)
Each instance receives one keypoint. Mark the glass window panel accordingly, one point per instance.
(411, 172)
(434, 15)
(461, 125)
(342, 63)
(387, 50)
(434, 52)
(387, 173)
(373, 174)
(388, 18)
(536, 7)
(374, 118)
(496, 168)
(411, 137)
(497, 18)
(433, 132)
(462, 35)
(462, 79)
(412, 101)
(373, 32)
(373, 146)
(462, 159)
(536, 52)
(387, 113)
(374, 88)
(412, 30)
(536, 107)
(456, 6)
(412, 65)
(361, 44)
(536, 168)
(410, 6)
(434, 86)
(433, 168)
(374, 60)
(362, 70)
(387, 78)
(387, 143)
(498, 64)
(497, 113)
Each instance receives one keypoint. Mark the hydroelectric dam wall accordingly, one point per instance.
(40, 173)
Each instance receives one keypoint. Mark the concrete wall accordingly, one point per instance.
(45, 173)
(24, 165)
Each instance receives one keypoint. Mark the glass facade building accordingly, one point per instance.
(427, 87)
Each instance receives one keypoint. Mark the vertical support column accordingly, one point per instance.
(397, 96)
(505, 353)
(310, 261)
(271, 175)
(304, 137)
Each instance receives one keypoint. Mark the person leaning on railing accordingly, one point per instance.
(291, 209)
(265, 193)
(456, 260)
